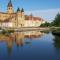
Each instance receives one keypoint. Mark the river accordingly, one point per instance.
(29, 45)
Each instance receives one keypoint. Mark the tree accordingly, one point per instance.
(56, 21)
(46, 24)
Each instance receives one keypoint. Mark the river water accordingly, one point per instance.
(29, 45)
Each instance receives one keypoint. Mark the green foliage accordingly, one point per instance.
(46, 24)
(56, 21)
(7, 31)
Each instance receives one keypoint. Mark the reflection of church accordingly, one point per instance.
(19, 37)
(18, 19)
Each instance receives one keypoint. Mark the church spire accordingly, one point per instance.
(18, 9)
(10, 7)
(10, 4)
(22, 10)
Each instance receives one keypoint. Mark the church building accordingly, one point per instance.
(18, 18)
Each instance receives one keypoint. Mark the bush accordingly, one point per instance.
(7, 31)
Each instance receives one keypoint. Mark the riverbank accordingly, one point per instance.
(56, 32)
(22, 29)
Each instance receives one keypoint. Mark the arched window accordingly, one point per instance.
(21, 25)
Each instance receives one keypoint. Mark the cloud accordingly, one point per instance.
(47, 15)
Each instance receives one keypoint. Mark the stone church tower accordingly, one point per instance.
(10, 7)
(20, 17)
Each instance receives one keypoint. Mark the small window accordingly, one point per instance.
(9, 8)
(21, 25)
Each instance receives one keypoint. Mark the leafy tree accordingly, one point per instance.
(46, 24)
(56, 21)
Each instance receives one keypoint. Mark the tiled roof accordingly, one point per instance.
(6, 13)
(4, 20)
(26, 17)
(33, 18)
(8, 19)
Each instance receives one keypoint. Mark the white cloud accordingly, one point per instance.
(48, 14)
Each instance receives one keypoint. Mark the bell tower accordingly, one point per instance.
(10, 7)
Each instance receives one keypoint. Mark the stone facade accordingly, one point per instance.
(18, 18)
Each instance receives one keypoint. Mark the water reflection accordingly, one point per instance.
(57, 42)
(18, 38)
(34, 44)
(9, 46)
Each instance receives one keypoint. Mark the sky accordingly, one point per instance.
(47, 9)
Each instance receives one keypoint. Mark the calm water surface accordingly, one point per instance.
(30, 45)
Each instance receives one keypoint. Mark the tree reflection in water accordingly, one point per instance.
(57, 43)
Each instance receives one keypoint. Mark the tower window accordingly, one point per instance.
(9, 8)
(21, 25)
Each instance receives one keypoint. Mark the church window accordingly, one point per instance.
(21, 25)
(9, 8)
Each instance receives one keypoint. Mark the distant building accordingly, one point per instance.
(18, 18)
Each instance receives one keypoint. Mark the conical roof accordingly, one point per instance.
(10, 4)
(22, 10)
(18, 9)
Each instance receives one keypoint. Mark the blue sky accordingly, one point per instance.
(47, 9)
